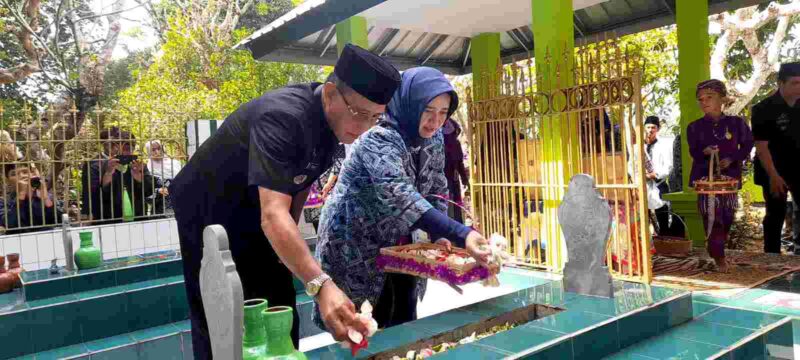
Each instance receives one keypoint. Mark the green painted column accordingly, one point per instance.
(693, 67)
(352, 31)
(554, 37)
(485, 55)
(553, 34)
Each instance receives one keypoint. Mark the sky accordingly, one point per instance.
(135, 35)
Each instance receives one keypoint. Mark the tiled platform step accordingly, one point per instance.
(40, 325)
(85, 316)
(719, 333)
(587, 328)
(40, 284)
(165, 342)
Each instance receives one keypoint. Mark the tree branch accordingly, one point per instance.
(764, 61)
(24, 34)
(112, 13)
(719, 55)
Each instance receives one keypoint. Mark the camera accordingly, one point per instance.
(126, 159)
(36, 182)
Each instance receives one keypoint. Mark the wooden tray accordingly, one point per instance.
(719, 186)
(396, 259)
(716, 187)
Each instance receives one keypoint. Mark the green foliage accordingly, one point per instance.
(187, 81)
(119, 75)
(659, 49)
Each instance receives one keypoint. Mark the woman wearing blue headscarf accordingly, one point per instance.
(392, 184)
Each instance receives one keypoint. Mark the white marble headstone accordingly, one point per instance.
(585, 219)
(222, 294)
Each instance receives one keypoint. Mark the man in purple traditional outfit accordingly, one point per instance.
(731, 139)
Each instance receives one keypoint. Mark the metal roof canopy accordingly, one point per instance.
(437, 33)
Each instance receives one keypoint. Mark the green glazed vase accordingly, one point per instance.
(254, 341)
(278, 324)
(127, 207)
(88, 256)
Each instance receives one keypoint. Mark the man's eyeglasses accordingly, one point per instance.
(360, 115)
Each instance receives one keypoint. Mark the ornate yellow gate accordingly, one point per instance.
(519, 175)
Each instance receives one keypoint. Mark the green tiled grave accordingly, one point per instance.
(71, 319)
(165, 342)
(587, 328)
(40, 284)
(715, 332)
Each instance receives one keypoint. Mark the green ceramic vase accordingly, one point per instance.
(88, 256)
(127, 206)
(254, 341)
(278, 324)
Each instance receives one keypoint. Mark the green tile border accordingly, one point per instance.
(570, 337)
(131, 339)
(758, 335)
(137, 273)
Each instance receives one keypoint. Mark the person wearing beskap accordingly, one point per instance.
(729, 140)
(253, 175)
(659, 159)
(776, 129)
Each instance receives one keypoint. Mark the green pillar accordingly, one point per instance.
(693, 67)
(554, 37)
(352, 31)
(485, 54)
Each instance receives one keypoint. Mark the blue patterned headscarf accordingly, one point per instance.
(418, 87)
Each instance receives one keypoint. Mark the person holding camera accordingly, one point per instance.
(28, 203)
(116, 175)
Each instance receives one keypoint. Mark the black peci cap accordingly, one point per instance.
(368, 74)
(788, 70)
(654, 120)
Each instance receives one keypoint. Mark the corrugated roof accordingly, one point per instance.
(307, 35)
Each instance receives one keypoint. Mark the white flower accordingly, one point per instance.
(366, 307)
(355, 336)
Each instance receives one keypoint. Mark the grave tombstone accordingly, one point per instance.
(222, 295)
(585, 219)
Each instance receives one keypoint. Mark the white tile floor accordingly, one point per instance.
(438, 298)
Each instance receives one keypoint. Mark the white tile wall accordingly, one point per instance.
(38, 249)
(117, 240)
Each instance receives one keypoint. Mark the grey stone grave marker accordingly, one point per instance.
(585, 219)
(222, 294)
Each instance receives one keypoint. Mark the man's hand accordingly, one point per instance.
(338, 312)
(163, 191)
(137, 170)
(651, 175)
(478, 248)
(446, 243)
(710, 150)
(725, 163)
(777, 186)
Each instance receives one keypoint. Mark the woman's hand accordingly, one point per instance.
(478, 248)
(710, 150)
(328, 187)
(446, 243)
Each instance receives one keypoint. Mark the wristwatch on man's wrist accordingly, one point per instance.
(313, 286)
